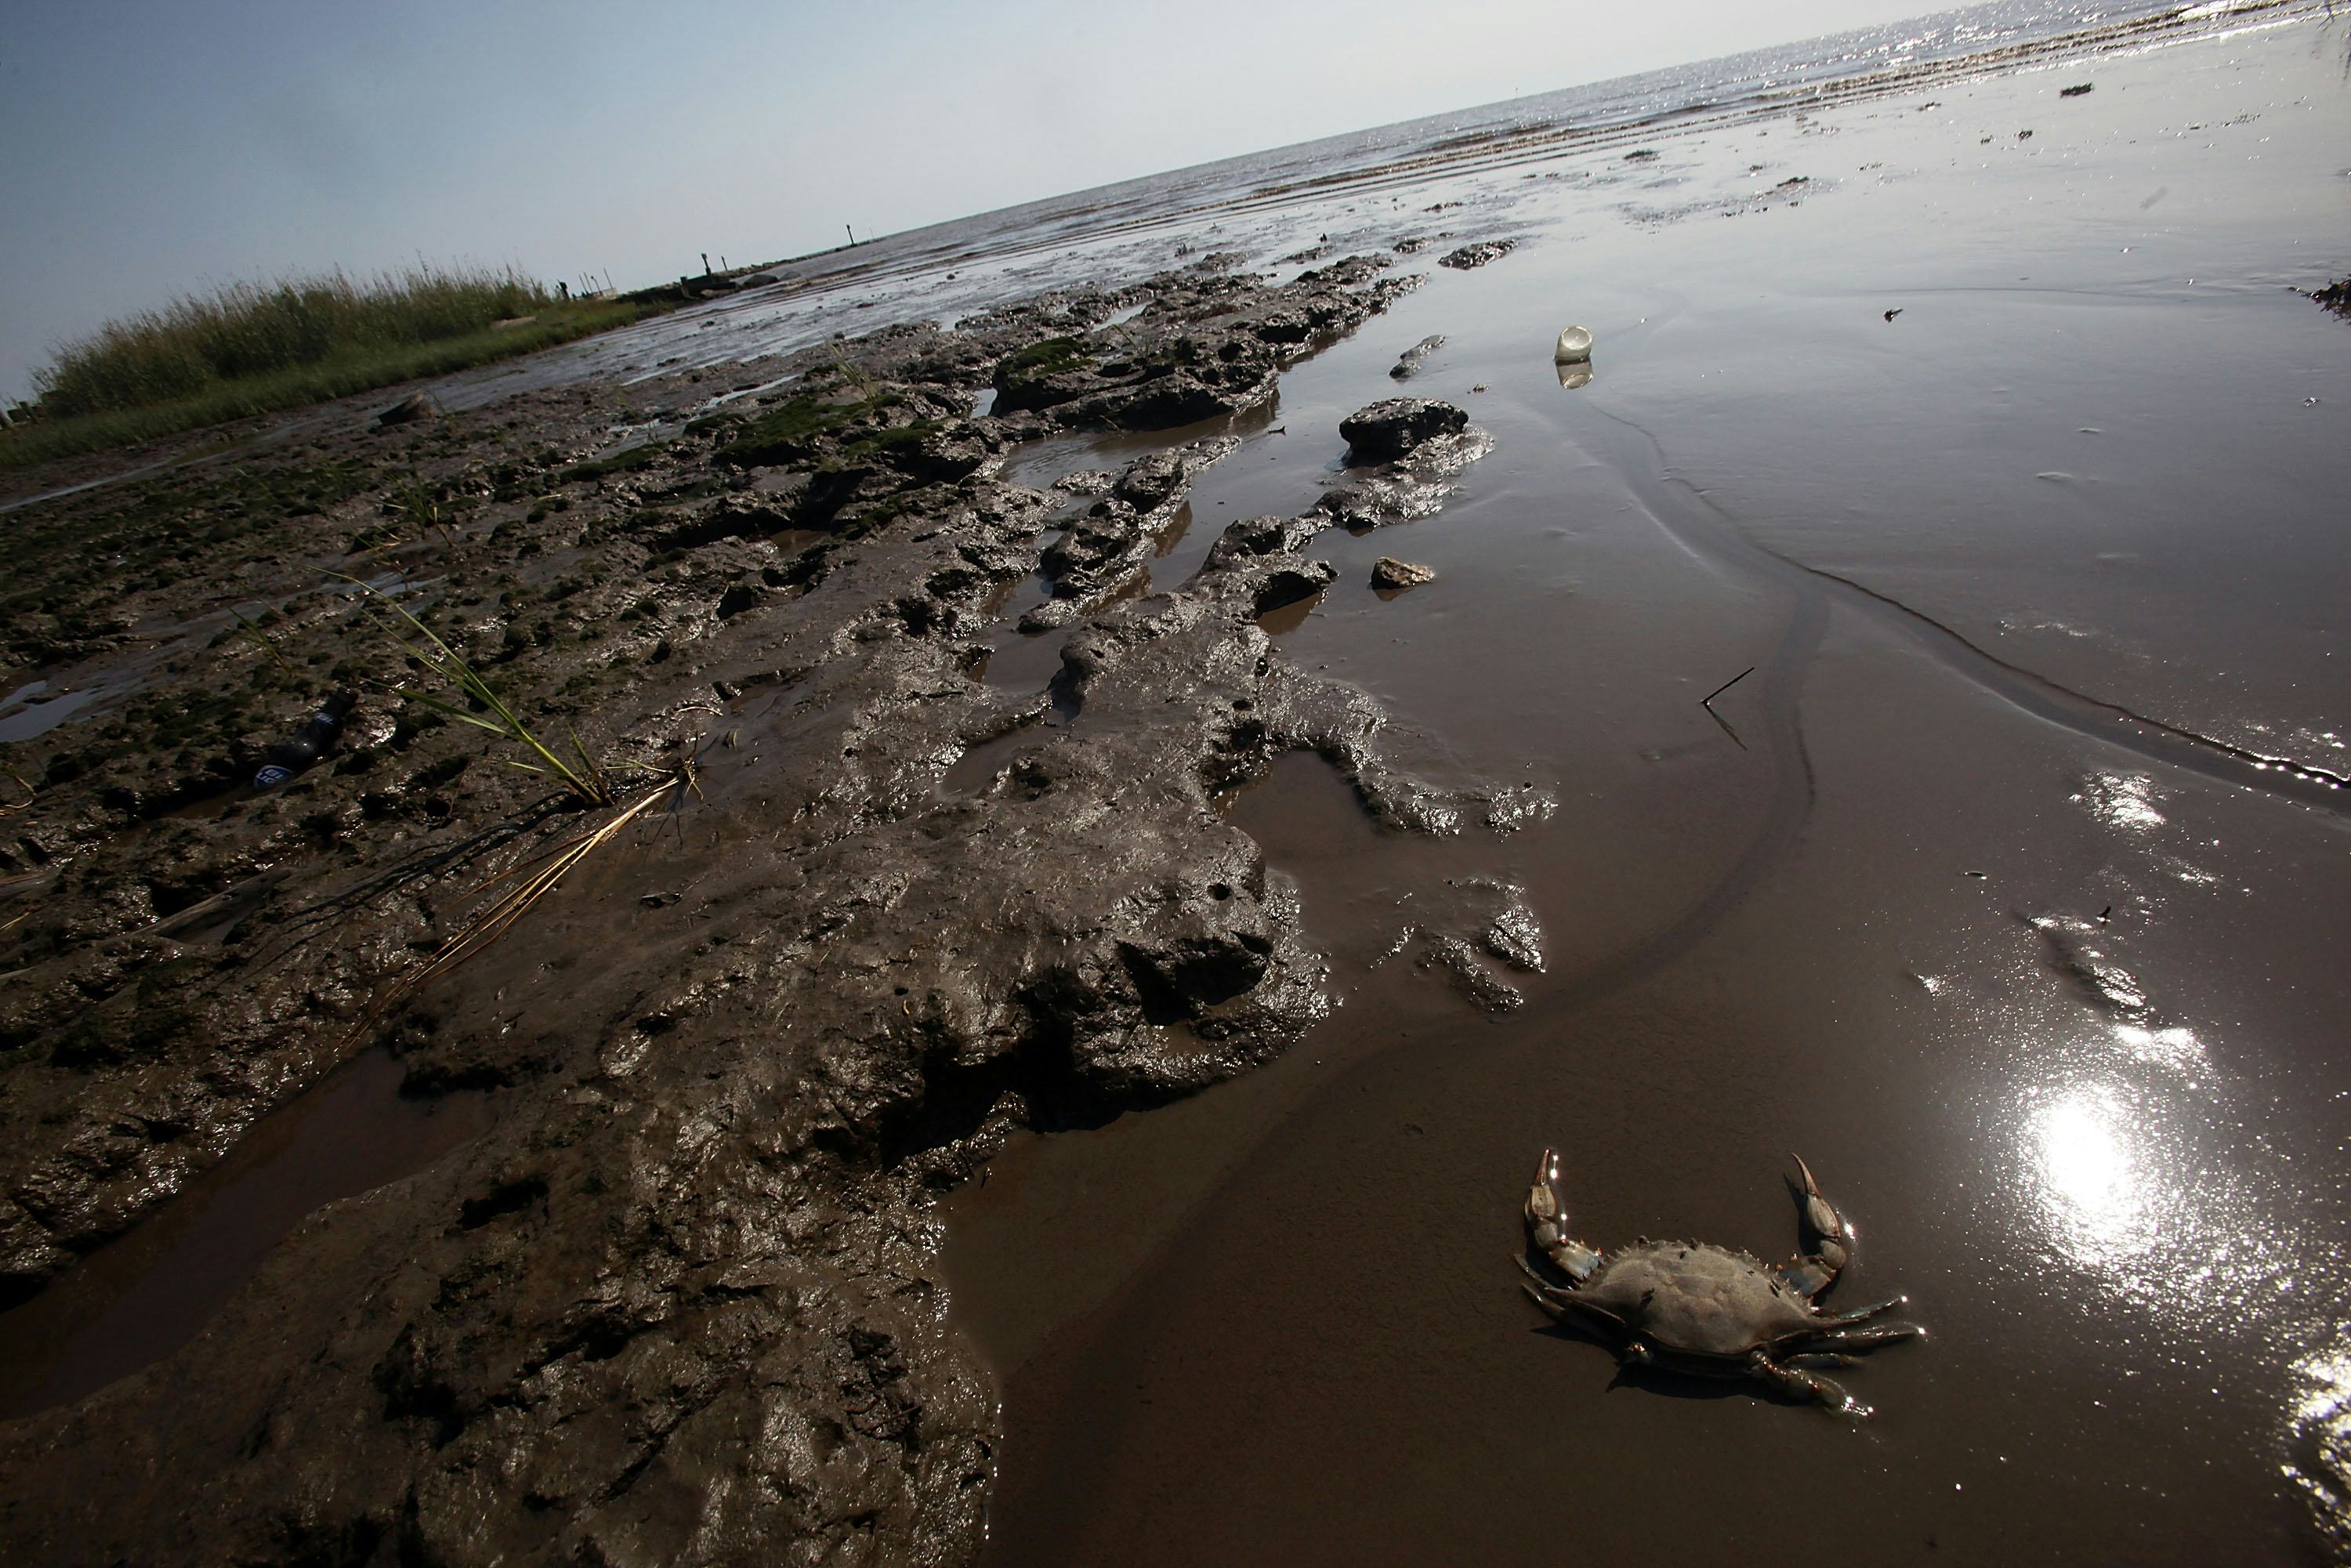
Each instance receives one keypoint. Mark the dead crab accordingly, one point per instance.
(1714, 1310)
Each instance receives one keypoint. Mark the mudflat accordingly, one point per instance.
(1049, 1072)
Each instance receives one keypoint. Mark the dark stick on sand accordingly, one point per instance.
(1707, 702)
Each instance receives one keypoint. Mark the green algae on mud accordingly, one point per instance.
(791, 429)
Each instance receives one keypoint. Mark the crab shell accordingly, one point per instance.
(1692, 1298)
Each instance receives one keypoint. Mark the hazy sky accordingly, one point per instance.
(151, 149)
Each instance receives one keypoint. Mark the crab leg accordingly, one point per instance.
(1825, 1239)
(1547, 1224)
(1862, 1314)
(1557, 1310)
(1803, 1385)
(1559, 1305)
(1552, 1298)
(1861, 1339)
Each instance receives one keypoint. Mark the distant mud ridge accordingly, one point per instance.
(678, 1303)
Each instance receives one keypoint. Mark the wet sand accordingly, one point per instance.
(1998, 906)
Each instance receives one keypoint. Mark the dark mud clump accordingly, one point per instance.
(2336, 297)
(679, 1301)
(1409, 363)
(1154, 372)
(1395, 426)
(1426, 443)
(1108, 546)
(1479, 254)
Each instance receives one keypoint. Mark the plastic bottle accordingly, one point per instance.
(288, 757)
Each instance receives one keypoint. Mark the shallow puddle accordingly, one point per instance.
(143, 1295)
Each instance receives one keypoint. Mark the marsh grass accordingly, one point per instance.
(855, 375)
(538, 877)
(424, 508)
(248, 329)
(176, 400)
(251, 631)
(585, 781)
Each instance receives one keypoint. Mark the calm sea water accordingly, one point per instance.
(1651, 96)
(1265, 205)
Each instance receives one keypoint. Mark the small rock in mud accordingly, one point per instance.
(1508, 810)
(1479, 254)
(1514, 933)
(1084, 482)
(1390, 428)
(2076, 90)
(1407, 363)
(1514, 937)
(408, 410)
(1479, 983)
(1390, 573)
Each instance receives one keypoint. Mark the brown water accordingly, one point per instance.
(1990, 894)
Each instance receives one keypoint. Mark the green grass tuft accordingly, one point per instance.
(585, 781)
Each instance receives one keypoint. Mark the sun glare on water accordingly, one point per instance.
(2089, 1177)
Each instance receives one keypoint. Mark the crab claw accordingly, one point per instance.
(1544, 1208)
(1825, 1231)
(1824, 1238)
(1547, 1224)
